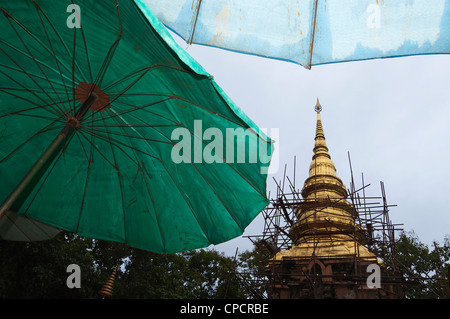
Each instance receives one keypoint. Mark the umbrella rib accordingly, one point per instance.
(56, 110)
(34, 60)
(147, 186)
(86, 183)
(140, 125)
(109, 56)
(311, 46)
(177, 97)
(126, 124)
(136, 160)
(145, 70)
(38, 65)
(130, 135)
(154, 205)
(116, 145)
(81, 143)
(43, 130)
(154, 66)
(33, 115)
(187, 202)
(152, 126)
(48, 172)
(132, 148)
(218, 197)
(118, 117)
(53, 51)
(96, 148)
(237, 223)
(169, 95)
(140, 135)
(36, 38)
(197, 11)
(153, 113)
(121, 143)
(38, 8)
(115, 97)
(146, 125)
(119, 94)
(174, 97)
(36, 76)
(87, 53)
(59, 37)
(224, 161)
(116, 166)
(73, 70)
(29, 109)
(24, 233)
(231, 214)
(29, 57)
(211, 111)
(254, 187)
(142, 168)
(121, 112)
(32, 79)
(134, 108)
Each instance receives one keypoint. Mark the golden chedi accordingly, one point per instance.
(325, 226)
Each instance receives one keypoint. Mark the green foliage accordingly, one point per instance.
(196, 274)
(425, 268)
(39, 270)
(253, 269)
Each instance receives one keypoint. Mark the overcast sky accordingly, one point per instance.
(391, 115)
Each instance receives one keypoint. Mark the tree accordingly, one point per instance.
(196, 274)
(252, 265)
(426, 269)
(39, 269)
(147, 275)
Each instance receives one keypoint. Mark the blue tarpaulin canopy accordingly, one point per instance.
(312, 32)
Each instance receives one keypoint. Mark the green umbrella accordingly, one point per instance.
(110, 130)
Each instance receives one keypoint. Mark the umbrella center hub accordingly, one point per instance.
(84, 91)
(73, 121)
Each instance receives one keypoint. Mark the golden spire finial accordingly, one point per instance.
(318, 107)
(107, 288)
(319, 129)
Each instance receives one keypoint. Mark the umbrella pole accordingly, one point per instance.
(23, 189)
